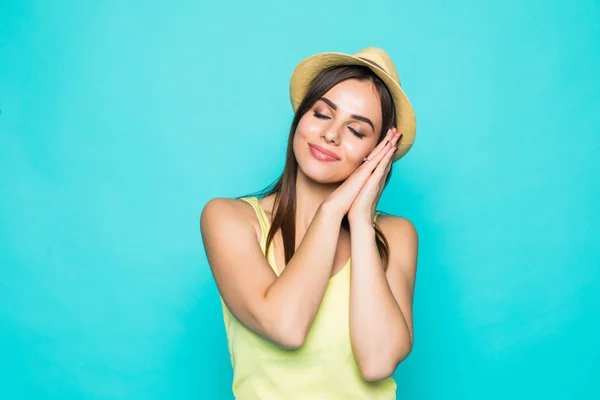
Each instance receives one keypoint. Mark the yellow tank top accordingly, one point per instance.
(324, 368)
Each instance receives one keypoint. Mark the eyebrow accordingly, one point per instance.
(357, 117)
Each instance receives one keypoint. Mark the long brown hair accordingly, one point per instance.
(284, 188)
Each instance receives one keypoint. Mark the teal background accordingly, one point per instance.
(120, 120)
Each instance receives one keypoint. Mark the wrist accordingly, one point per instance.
(359, 221)
(331, 211)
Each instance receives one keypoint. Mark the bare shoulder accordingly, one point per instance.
(403, 241)
(397, 227)
(221, 214)
(402, 237)
(240, 269)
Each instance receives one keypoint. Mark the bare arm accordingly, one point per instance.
(381, 329)
(280, 309)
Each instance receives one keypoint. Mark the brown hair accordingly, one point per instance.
(284, 188)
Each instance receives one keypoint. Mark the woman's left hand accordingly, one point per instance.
(364, 205)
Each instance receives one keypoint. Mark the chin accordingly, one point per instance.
(321, 172)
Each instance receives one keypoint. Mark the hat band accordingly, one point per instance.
(373, 63)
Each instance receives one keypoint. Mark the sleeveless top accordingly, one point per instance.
(324, 368)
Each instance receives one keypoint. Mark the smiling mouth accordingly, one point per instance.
(320, 155)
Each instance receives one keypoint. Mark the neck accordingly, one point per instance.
(309, 196)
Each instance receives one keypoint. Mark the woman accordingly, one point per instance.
(299, 324)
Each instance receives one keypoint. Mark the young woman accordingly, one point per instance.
(317, 290)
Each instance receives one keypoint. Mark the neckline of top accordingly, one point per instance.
(276, 269)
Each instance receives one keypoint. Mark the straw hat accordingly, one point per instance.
(381, 64)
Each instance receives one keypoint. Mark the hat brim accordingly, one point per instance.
(310, 67)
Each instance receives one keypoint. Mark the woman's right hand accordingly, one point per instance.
(341, 199)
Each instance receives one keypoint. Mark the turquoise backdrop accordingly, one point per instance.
(121, 119)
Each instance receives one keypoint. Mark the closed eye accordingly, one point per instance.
(355, 132)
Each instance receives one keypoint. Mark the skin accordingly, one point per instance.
(281, 309)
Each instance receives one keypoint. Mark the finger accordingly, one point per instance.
(364, 173)
(385, 164)
(389, 157)
(381, 145)
(396, 138)
(389, 163)
(375, 182)
(371, 164)
(373, 179)
(394, 141)
(393, 135)
(376, 159)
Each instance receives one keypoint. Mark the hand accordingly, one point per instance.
(341, 199)
(364, 204)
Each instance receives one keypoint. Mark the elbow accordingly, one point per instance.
(287, 334)
(291, 341)
(378, 370)
(375, 373)
(282, 326)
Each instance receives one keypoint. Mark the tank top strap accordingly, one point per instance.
(377, 213)
(265, 225)
(263, 220)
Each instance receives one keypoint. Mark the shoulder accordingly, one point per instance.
(223, 207)
(401, 235)
(394, 225)
(400, 232)
(223, 213)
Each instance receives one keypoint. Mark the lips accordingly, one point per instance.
(322, 154)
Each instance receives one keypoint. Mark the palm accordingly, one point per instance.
(365, 202)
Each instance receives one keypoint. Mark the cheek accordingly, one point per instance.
(305, 132)
(356, 150)
(300, 137)
(307, 128)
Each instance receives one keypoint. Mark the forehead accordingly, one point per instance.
(357, 97)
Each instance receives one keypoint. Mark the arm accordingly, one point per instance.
(381, 329)
(280, 309)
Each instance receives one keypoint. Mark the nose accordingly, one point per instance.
(332, 135)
